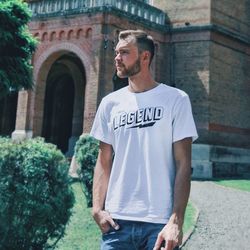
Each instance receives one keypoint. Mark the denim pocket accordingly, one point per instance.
(111, 229)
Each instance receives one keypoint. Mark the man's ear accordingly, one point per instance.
(146, 56)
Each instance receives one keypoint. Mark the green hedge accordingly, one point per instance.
(35, 195)
(86, 152)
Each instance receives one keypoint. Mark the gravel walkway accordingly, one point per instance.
(224, 219)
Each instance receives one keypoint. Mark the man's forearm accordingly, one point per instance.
(100, 186)
(101, 176)
(182, 152)
(172, 233)
(181, 194)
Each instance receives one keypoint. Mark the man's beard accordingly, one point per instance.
(131, 70)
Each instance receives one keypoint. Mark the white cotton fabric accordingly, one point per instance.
(141, 127)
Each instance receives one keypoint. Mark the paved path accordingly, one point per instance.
(224, 220)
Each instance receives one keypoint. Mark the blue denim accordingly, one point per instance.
(132, 235)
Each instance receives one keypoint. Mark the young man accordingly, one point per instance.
(142, 175)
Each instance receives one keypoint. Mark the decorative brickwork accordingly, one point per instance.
(88, 39)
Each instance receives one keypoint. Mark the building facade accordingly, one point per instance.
(202, 47)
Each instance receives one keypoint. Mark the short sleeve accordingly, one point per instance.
(101, 129)
(183, 121)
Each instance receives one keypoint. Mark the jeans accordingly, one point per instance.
(132, 235)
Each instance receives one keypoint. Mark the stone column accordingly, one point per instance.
(23, 129)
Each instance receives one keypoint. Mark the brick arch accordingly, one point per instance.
(45, 36)
(42, 67)
(52, 36)
(89, 33)
(50, 55)
(70, 34)
(62, 35)
(79, 33)
(36, 34)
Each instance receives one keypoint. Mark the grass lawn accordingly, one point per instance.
(82, 232)
(237, 183)
(189, 221)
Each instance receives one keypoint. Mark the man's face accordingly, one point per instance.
(127, 60)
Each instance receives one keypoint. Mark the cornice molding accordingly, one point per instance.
(213, 28)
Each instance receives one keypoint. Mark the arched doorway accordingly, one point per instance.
(64, 103)
(8, 108)
(58, 111)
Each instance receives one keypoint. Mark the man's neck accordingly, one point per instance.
(139, 83)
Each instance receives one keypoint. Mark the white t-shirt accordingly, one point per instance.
(141, 127)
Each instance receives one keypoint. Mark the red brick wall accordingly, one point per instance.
(91, 38)
(191, 74)
(229, 96)
(80, 35)
(211, 67)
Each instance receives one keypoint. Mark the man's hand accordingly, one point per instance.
(105, 221)
(171, 234)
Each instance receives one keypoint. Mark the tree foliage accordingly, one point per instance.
(35, 195)
(16, 47)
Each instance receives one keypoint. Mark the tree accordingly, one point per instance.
(86, 152)
(36, 198)
(16, 47)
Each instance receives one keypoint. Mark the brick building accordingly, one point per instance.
(202, 47)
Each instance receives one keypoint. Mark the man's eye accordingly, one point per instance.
(122, 52)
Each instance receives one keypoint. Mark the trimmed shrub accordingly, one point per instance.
(35, 195)
(86, 152)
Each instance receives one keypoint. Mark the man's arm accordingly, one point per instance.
(172, 232)
(100, 186)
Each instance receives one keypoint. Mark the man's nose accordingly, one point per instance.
(118, 57)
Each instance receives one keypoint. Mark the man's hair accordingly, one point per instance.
(142, 39)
